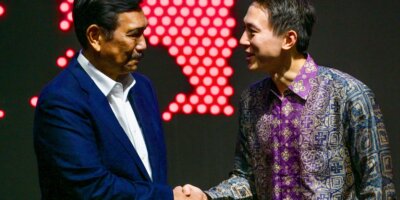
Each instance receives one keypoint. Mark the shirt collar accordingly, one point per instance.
(102, 81)
(302, 83)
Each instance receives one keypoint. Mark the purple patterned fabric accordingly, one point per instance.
(285, 117)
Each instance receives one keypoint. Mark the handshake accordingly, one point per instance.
(189, 192)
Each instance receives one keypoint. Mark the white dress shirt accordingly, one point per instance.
(117, 95)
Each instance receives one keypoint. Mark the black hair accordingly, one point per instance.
(103, 13)
(297, 15)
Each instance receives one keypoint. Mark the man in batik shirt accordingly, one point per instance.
(306, 131)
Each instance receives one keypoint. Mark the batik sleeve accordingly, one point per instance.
(370, 150)
(240, 184)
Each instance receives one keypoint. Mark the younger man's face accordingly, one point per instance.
(262, 46)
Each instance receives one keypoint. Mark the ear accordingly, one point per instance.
(94, 37)
(289, 40)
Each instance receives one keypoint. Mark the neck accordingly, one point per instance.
(289, 69)
(99, 63)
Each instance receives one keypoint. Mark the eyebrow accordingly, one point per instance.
(250, 25)
(134, 30)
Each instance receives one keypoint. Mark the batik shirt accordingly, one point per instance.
(323, 139)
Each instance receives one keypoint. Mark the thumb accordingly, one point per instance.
(187, 189)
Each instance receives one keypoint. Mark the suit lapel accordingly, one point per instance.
(144, 117)
(104, 115)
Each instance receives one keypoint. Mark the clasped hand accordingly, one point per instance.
(188, 192)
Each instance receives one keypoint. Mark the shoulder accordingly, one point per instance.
(336, 79)
(142, 80)
(255, 95)
(257, 88)
(64, 89)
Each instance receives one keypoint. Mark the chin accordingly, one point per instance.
(252, 66)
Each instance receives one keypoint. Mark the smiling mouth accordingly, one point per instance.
(249, 57)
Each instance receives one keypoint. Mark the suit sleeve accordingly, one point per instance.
(369, 146)
(66, 147)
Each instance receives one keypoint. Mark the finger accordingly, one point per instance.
(187, 189)
(178, 188)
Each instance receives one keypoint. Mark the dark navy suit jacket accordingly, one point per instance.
(83, 152)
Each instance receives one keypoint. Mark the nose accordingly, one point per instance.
(244, 39)
(141, 43)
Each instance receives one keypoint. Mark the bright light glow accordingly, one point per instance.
(192, 22)
(210, 11)
(221, 81)
(158, 11)
(201, 71)
(194, 41)
(70, 17)
(201, 90)
(62, 62)
(160, 30)
(199, 31)
(181, 60)
(201, 108)
(153, 40)
(177, 2)
(187, 108)
(207, 81)
(194, 99)
(205, 21)
(228, 71)
(65, 8)
(228, 91)
(164, 2)
(215, 110)
(2, 10)
(217, 22)
(228, 110)
(208, 99)
(173, 107)
(223, 12)
(194, 60)
(190, 2)
(185, 11)
(172, 11)
(180, 98)
(212, 32)
(197, 12)
(33, 101)
(194, 80)
(167, 116)
(187, 50)
(207, 61)
(65, 25)
(173, 51)
(222, 100)
(214, 90)
(187, 70)
(228, 3)
(225, 32)
(179, 21)
(213, 52)
(214, 71)
(197, 34)
(2, 114)
(166, 40)
(186, 31)
(70, 53)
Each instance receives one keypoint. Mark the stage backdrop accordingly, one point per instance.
(198, 68)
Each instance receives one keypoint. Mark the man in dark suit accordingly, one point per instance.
(97, 128)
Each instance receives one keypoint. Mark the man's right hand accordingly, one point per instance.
(188, 192)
